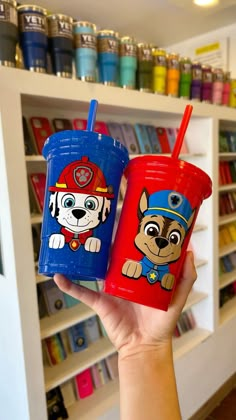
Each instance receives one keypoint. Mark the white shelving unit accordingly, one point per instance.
(228, 310)
(29, 94)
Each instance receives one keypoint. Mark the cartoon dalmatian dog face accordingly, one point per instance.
(79, 201)
(79, 212)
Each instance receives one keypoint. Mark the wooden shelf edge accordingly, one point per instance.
(194, 298)
(188, 341)
(227, 219)
(63, 319)
(96, 404)
(77, 362)
(228, 311)
(227, 278)
(227, 249)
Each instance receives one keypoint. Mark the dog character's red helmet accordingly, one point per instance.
(85, 177)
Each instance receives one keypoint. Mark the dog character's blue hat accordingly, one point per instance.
(170, 204)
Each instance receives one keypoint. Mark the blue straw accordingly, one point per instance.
(92, 115)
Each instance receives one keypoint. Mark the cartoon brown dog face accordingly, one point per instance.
(160, 238)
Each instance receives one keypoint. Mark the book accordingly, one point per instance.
(56, 409)
(77, 338)
(70, 300)
(38, 184)
(99, 127)
(143, 139)
(171, 134)
(152, 135)
(91, 329)
(53, 296)
(68, 393)
(41, 130)
(55, 349)
(61, 124)
(163, 139)
(130, 138)
(29, 144)
(223, 142)
(112, 365)
(115, 131)
(84, 384)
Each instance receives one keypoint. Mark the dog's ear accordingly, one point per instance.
(53, 203)
(106, 208)
(143, 203)
(190, 220)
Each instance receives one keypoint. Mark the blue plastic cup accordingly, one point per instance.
(108, 57)
(84, 170)
(85, 40)
(33, 37)
(128, 62)
(60, 43)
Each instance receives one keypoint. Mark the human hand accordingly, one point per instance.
(131, 326)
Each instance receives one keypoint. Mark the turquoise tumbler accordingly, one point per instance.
(85, 40)
(108, 57)
(128, 62)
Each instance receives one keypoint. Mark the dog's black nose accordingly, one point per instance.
(161, 242)
(78, 213)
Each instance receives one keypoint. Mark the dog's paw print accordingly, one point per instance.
(83, 175)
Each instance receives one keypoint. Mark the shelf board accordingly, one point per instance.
(189, 340)
(200, 262)
(227, 278)
(228, 311)
(199, 228)
(40, 278)
(227, 249)
(227, 219)
(63, 319)
(227, 156)
(77, 362)
(36, 219)
(227, 187)
(34, 158)
(97, 404)
(193, 298)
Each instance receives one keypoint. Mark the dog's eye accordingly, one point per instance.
(68, 201)
(91, 203)
(175, 237)
(152, 229)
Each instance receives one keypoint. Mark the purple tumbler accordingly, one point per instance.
(207, 77)
(196, 83)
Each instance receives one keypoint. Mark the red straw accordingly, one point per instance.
(182, 131)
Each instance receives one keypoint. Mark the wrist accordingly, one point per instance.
(143, 352)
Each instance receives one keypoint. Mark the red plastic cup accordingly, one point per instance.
(161, 204)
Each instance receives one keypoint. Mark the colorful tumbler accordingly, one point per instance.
(207, 78)
(226, 89)
(159, 71)
(232, 98)
(196, 84)
(173, 75)
(217, 86)
(85, 39)
(144, 70)
(8, 32)
(159, 211)
(33, 37)
(185, 77)
(128, 62)
(108, 57)
(84, 170)
(60, 43)
(161, 204)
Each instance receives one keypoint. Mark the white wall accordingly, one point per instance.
(226, 36)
